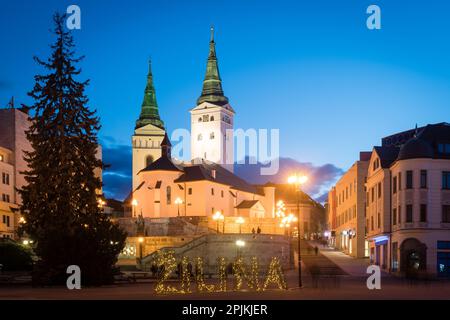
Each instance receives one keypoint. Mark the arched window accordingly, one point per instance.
(212, 118)
(148, 160)
(211, 135)
(199, 137)
(168, 195)
(200, 119)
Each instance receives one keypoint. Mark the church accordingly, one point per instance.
(206, 185)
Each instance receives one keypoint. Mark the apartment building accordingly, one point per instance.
(7, 205)
(408, 204)
(347, 207)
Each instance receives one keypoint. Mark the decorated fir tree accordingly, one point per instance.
(60, 201)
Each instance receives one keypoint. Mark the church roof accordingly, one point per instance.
(149, 109)
(204, 171)
(212, 84)
(164, 163)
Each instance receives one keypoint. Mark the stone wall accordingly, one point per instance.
(212, 246)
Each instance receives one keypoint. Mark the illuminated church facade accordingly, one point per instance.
(205, 185)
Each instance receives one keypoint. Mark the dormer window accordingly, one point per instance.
(376, 164)
(444, 148)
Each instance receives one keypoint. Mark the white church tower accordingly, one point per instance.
(212, 118)
(149, 131)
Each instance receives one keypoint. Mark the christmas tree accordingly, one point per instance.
(60, 201)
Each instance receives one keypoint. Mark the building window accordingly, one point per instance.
(1, 158)
(190, 191)
(205, 118)
(409, 179)
(169, 195)
(423, 179)
(212, 191)
(446, 213)
(5, 178)
(373, 195)
(399, 181)
(200, 119)
(211, 135)
(5, 197)
(394, 216)
(212, 118)
(423, 213)
(379, 190)
(371, 223)
(221, 193)
(446, 180)
(6, 220)
(399, 214)
(379, 220)
(199, 137)
(394, 185)
(409, 213)
(394, 256)
(444, 148)
(443, 264)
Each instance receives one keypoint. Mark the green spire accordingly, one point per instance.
(212, 85)
(149, 110)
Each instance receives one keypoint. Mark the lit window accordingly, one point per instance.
(1, 158)
(168, 195)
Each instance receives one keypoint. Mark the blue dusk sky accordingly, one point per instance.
(309, 68)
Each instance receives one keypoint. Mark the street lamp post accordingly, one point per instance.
(240, 221)
(134, 204)
(297, 181)
(239, 244)
(141, 240)
(219, 216)
(178, 201)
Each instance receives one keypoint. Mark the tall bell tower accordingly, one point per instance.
(149, 131)
(212, 118)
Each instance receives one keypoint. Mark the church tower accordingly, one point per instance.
(212, 118)
(148, 133)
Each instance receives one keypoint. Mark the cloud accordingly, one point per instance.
(321, 178)
(116, 177)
